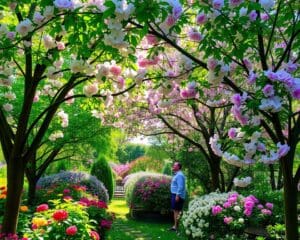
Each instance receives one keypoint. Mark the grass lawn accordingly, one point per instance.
(153, 229)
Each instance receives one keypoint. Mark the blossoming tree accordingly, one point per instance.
(251, 47)
(53, 52)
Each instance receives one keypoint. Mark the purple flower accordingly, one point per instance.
(232, 133)
(266, 211)
(235, 3)
(269, 205)
(252, 16)
(268, 90)
(218, 4)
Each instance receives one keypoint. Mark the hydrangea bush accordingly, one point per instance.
(92, 184)
(216, 215)
(148, 192)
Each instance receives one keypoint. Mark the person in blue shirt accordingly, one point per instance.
(177, 193)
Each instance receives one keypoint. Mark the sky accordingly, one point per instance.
(140, 140)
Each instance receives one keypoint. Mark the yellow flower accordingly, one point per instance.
(23, 208)
(2, 196)
(39, 222)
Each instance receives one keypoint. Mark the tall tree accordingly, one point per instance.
(52, 52)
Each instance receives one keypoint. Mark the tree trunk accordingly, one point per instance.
(31, 190)
(15, 181)
(290, 207)
(215, 172)
(272, 177)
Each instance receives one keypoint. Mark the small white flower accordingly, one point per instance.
(24, 27)
(8, 107)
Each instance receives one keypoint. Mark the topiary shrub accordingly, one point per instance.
(149, 192)
(103, 172)
(92, 184)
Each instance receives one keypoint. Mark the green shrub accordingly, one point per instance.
(149, 192)
(167, 169)
(92, 184)
(103, 172)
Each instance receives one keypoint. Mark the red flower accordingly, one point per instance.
(102, 204)
(66, 191)
(106, 223)
(42, 207)
(60, 215)
(71, 231)
(94, 235)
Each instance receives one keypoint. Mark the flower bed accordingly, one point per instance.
(91, 183)
(225, 216)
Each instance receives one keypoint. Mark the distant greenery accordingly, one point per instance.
(147, 164)
(129, 152)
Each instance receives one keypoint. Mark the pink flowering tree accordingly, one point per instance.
(252, 48)
(191, 118)
(53, 52)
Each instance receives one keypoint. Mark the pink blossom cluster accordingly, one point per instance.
(190, 91)
(122, 169)
(238, 101)
(146, 188)
(284, 76)
(249, 204)
(176, 13)
(146, 62)
(236, 203)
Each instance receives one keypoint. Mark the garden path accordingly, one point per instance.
(126, 228)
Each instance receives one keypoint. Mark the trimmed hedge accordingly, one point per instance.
(103, 172)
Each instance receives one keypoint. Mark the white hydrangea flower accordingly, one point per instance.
(243, 182)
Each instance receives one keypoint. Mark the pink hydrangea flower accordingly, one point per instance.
(228, 220)
(266, 211)
(216, 210)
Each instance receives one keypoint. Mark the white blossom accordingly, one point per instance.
(24, 27)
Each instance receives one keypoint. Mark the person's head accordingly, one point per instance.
(176, 166)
